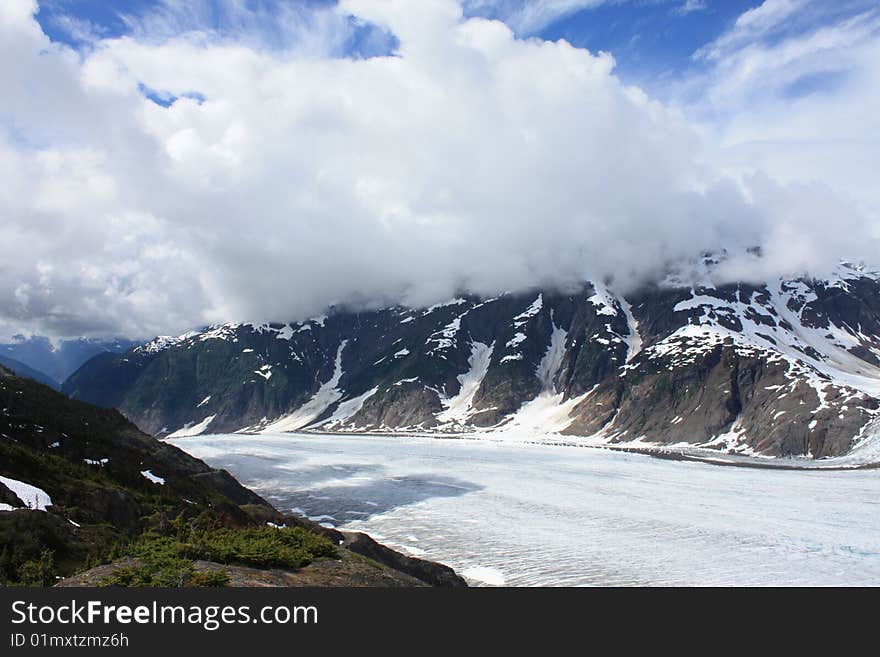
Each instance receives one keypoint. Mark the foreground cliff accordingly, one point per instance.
(81, 488)
(783, 368)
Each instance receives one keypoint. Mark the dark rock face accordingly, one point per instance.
(10, 498)
(225, 484)
(790, 367)
(114, 506)
(408, 404)
(428, 572)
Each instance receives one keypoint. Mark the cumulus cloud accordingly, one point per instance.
(270, 182)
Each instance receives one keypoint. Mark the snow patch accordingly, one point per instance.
(451, 302)
(190, 429)
(459, 407)
(544, 415)
(32, 497)
(515, 340)
(326, 395)
(550, 364)
(529, 312)
(348, 409)
(147, 474)
(634, 339)
(603, 300)
(445, 337)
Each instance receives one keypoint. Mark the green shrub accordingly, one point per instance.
(38, 572)
(209, 578)
(262, 547)
(177, 573)
(167, 560)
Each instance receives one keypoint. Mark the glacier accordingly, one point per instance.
(522, 514)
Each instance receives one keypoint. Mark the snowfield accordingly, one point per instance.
(33, 498)
(536, 514)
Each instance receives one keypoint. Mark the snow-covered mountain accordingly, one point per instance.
(788, 367)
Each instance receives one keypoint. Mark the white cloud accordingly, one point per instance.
(468, 160)
(690, 6)
(531, 16)
(298, 28)
(793, 92)
(751, 25)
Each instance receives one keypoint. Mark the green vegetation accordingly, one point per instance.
(39, 572)
(166, 559)
(34, 549)
(91, 461)
(171, 575)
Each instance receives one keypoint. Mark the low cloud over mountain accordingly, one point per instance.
(177, 175)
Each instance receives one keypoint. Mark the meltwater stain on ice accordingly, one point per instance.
(362, 500)
(283, 472)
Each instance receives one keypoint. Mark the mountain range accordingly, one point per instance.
(51, 362)
(785, 367)
(22, 369)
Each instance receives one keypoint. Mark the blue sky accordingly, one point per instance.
(75, 22)
(647, 37)
(653, 41)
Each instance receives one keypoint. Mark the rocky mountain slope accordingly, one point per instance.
(783, 368)
(81, 487)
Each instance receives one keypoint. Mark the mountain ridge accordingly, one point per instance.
(22, 369)
(59, 359)
(790, 367)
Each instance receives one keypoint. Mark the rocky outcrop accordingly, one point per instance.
(349, 570)
(427, 572)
